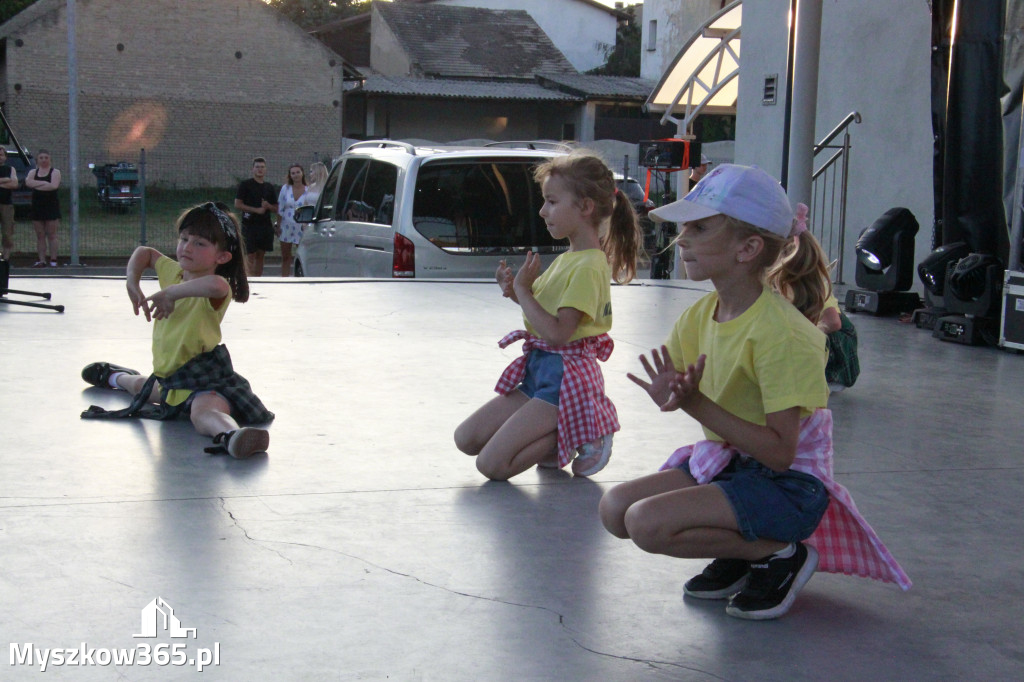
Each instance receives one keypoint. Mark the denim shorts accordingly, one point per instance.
(784, 506)
(543, 378)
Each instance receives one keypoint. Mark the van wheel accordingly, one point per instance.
(298, 268)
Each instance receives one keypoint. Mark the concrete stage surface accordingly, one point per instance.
(365, 547)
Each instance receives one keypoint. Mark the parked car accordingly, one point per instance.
(390, 209)
(21, 197)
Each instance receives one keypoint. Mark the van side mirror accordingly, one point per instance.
(304, 214)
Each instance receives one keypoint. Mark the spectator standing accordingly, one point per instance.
(293, 195)
(256, 199)
(44, 181)
(8, 182)
(317, 178)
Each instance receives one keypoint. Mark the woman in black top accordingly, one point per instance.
(44, 180)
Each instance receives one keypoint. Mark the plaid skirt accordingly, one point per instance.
(209, 371)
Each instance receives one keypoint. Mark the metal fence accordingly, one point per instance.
(169, 181)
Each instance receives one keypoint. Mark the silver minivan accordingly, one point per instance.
(389, 209)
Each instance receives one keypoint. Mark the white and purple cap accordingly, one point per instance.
(746, 193)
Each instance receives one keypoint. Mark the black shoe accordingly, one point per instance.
(774, 584)
(98, 373)
(720, 579)
(242, 443)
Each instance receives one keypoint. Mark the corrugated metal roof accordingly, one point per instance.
(461, 89)
(614, 87)
(472, 42)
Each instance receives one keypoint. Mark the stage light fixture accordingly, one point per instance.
(932, 270)
(972, 295)
(885, 265)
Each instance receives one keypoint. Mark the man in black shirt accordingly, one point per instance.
(257, 199)
(8, 182)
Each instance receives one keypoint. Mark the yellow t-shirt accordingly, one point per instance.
(193, 328)
(831, 302)
(580, 280)
(768, 359)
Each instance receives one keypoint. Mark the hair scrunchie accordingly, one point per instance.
(800, 221)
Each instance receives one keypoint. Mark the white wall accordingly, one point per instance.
(581, 31)
(677, 20)
(386, 54)
(874, 60)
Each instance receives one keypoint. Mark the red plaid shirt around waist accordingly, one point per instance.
(845, 540)
(585, 413)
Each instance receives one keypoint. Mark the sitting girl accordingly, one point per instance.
(192, 372)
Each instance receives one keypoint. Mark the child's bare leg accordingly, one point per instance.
(694, 522)
(211, 414)
(526, 437)
(133, 383)
(615, 502)
(472, 435)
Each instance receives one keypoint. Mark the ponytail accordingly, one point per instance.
(801, 274)
(624, 240)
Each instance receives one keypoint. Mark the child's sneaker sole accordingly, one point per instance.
(247, 441)
(590, 460)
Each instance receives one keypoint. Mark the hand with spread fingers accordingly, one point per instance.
(661, 373)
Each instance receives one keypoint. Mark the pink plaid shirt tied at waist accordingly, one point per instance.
(844, 539)
(584, 412)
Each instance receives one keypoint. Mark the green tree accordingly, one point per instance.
(312, 13)
(8, 8)
(624, 58)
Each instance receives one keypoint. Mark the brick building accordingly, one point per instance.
(203, 85)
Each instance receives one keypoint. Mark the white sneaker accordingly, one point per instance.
(592, 457)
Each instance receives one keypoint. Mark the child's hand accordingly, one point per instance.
(138, 300)
(527, 275)
(505, 275)
(686, 387)
(662, 375)
(161, 304)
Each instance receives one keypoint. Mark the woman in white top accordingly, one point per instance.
(293, 194)
(317, 178)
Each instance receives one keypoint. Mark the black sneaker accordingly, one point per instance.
(98, 373)
(720, 579)
(773, 585)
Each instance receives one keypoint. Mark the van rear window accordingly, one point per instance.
(482, 207)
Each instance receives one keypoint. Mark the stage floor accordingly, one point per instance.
(366, 547)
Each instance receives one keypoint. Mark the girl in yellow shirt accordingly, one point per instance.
(192, 371)
(552, 409)
(750, 368)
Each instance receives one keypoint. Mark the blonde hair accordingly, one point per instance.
(317, 174)
(796, 267)
(587, 176)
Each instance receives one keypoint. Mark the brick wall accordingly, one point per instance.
(204, 85)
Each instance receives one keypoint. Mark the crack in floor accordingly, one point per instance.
(653, 663)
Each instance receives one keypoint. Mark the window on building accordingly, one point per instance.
(652, 35)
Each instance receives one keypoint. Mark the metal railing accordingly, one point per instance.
(828, 193)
